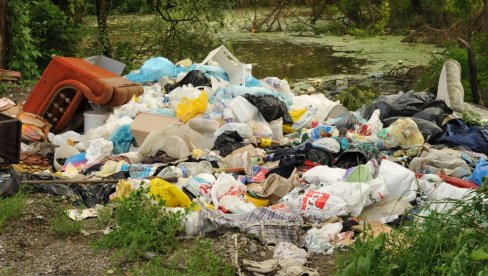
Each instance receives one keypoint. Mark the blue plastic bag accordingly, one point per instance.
(121, 139)
(154, 69)
(479, 172)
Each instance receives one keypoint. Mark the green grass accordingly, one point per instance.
(454, 242)
(11, 208)
(198, 259)
(62, 226)
(141, 226)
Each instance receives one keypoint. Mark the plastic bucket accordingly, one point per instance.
(94, 119)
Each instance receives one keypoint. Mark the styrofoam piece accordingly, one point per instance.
(234, 69)
(107, 63)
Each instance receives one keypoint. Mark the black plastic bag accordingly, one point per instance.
(194, 77)
(9, 183)
(270, 107)
(227, 142)
(432, 114)
(403, 105)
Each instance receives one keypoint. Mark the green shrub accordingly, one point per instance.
(453, 242)
(22, 49)
(199, 259)
(53, 32)
(355, 97)
(62, 226)
(142, 226)
(11, 208)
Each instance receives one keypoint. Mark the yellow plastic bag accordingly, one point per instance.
(258, 202)
(295, 116)
(189, 108)
(406, 132)
(172, 195)
(122, 190)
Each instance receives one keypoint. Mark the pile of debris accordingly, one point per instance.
(246, 153)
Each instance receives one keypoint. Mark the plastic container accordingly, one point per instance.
(94, 119)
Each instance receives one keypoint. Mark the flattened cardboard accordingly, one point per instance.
(147, 122)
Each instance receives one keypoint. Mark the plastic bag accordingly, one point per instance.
(403, 132)
(245, 112)
(318, 101)
(235, 204)
(122, 139)
(329, 144)
(277, 128)
(295, 115)
(243, 129)
(193, 168)
(153, 69)
(270, 107)
(323, 174)
(64, 138)
(399, 181)
(188, 108)
(226, 185)
(99, 149)
(194, 77)
(171, 194)
(319, 240)
(180, 93)
(479, 172)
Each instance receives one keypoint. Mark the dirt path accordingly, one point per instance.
(27, 246)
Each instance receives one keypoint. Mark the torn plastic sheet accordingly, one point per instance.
(80, 194)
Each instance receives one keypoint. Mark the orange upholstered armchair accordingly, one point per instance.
(67, 83)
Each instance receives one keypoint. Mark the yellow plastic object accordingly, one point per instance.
(189, 108)
(258, 202)
(123, 189)
(295, 116)
(406, 132)
(265, 142)
(172, 195)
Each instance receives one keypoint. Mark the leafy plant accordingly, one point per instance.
(62, 226)
(198, 259)
(451, 242)
(142, 226)
(21, 49)
(52, 30)
(355, 97)
(11, 208)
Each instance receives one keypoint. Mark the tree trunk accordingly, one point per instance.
(103, 10)
(3, 31)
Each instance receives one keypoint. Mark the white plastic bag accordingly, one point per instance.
(328, 143)
(399, 181)
(277, 129)
(243, 129)
(226, 185)
(236, 205)
(323, 174)
(99, 149)
(319, 240)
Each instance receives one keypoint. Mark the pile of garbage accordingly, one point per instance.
(250, 154)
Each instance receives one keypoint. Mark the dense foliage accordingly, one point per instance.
(453, 242)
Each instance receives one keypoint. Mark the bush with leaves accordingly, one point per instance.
(185, 27)
(53, 32)
(22, 51)
(142, 226)
(452, 242)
